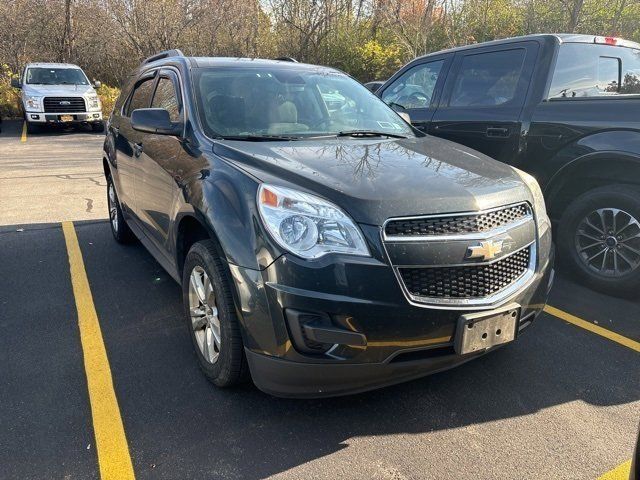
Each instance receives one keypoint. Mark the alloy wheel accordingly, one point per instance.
(113, 207)
(204, 314)
(608, 242)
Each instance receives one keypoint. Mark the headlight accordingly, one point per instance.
(93, 102)
(32, 103)
(538, 199)
(306, 225)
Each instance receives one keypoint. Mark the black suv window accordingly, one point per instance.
(586, 70)
(141, 97)
(488, 79)
(414, 88)
(167, 98)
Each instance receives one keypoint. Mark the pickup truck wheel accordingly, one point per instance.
(33, 127)
(599, 239)
(97, 127)
(121, 231)
(211, 316)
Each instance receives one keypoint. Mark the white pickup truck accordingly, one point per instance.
(58, 93)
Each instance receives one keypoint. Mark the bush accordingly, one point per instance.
(10, 106)
(108, 96)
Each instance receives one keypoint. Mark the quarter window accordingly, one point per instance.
(166, 97)
(141, 97)
(488, 79)
(414, 89)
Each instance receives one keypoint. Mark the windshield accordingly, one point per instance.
(56, 76)
(296, 103)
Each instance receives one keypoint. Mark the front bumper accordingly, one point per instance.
(59, 118)
(358, 296)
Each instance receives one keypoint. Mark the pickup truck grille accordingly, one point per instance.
(456, 224)
(64, 104)
(468, 281)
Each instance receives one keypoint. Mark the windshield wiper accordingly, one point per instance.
(368, 133)
(258, 138)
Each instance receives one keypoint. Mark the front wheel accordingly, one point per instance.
(121, 231)
(32, 127)
(97, 127)
(599, 239)
(211, 317)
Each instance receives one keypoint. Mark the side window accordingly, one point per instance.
(488, 79)
(166, 97)
(141, 97)
(587, 70)
(414, 89)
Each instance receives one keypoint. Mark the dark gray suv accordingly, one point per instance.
(324, 246)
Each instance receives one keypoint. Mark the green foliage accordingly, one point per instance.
(9, 96)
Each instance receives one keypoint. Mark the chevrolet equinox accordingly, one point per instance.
(323, 245)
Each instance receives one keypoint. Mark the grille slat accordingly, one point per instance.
(456, 224)
(472, 281)
(53, 104)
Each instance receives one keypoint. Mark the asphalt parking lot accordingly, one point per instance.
(561, 402)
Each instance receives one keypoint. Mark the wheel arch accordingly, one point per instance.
(191, 228)
(587, 172)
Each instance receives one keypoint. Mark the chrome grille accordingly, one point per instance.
(456, 224)
(467, 281)
(64, 104)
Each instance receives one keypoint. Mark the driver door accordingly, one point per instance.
(416, 89)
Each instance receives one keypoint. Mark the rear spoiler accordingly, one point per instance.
(165, 54)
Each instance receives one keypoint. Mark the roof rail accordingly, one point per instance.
(165, 54)
(286, 59)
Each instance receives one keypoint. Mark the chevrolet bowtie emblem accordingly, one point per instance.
(487, 249)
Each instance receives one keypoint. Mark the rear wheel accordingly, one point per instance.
(599, 239)
(121, 231)
(211, 316)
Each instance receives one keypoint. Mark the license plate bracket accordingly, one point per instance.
(481, 331)
(66, 118)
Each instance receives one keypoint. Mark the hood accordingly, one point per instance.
(373, 180)
(57, 90)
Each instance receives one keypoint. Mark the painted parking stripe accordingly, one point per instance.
(111, 442)
(23, 138)
(621, 472)
(598, 330)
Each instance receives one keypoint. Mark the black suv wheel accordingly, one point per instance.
(211, 316)
(121, 231)
(599, 239)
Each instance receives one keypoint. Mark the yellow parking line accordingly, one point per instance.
(603, 332)
(111, 442)
(621, 472)
(23, 138)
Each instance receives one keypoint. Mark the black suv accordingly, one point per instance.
(561, 107)
(322, 244)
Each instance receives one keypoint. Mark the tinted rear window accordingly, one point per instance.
(586, 70)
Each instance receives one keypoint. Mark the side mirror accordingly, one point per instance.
(155, 120)
(97, 84)
(15, 83)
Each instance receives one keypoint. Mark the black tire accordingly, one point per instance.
(230, 367)
(33, 127)
(97, 127)
(119, 228)
(572, 245)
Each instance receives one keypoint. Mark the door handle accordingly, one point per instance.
(497, 132)
(137, 149)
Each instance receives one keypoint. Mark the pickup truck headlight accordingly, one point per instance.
(538, 199)
(93, 102)
(306, 225)
(32, 103)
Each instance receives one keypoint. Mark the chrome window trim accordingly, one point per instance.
(457, 236)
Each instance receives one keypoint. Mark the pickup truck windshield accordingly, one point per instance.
(56, 76)
(259, 102)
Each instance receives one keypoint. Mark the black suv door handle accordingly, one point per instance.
(137, 149)
(497, 132)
